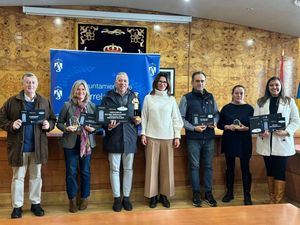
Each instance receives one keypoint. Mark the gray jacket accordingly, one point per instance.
(69, 138)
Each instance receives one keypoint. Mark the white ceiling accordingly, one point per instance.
(274, 15)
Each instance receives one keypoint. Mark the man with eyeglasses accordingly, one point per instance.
(200, 138)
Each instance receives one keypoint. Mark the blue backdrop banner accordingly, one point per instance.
(99, 70)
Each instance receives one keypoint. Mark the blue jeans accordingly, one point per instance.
(72, 159)
(204, 148)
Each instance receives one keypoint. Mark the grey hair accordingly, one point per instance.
(121, 74)
(28, 74)
(76, 84)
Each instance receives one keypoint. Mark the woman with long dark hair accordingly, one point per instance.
(161, 126)
(237, 141)
(277, 146)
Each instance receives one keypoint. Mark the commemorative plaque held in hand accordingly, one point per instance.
(74, 122)
(237, 123)
(88, 119)
(106, 114)
(270, 122)
(32, 116)
(203, 119)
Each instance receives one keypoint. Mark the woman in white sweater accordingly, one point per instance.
(277, 146)
(161, 126)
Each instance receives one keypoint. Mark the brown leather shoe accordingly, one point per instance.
(83, 204)
(73, 206)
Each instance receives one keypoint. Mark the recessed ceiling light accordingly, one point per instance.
(186, 0)
(157, 27)
(250, 42)
(58, 21)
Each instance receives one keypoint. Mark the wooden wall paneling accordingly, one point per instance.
(53, 172)
(293, 178)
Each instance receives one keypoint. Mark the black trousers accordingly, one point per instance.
(246, 175)
(276, 166)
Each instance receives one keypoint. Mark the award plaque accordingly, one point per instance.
(203, 119)
(237, 123)
(105, 114)
(32, 116)
(276, 122)
(74, 122)
(88, 119)
(270, 122)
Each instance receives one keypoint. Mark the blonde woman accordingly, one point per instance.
(78, 143)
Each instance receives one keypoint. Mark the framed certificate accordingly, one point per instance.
(270, 122)
(105, 114)
(203, 119)
(32, 116)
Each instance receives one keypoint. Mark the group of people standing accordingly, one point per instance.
(162, 121)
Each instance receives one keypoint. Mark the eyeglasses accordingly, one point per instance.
(199, 81)
(162, 81)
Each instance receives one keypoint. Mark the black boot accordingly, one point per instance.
(164, 200)
(228, 196)
(247, 199)
(153, 202)
(229, 184)
(247, 180)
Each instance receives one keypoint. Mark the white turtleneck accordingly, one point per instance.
(161, 118)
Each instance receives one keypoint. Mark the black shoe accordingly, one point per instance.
(37, 210)
(127, 204)
(117, 206)
(164, 200)
(228, 197)
(196, 199)
(153, 202)
(209, 199)
(247, 199)
(16, 213)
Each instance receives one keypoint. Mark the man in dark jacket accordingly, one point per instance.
(120, 140)
(200, 138)
(27, 145)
